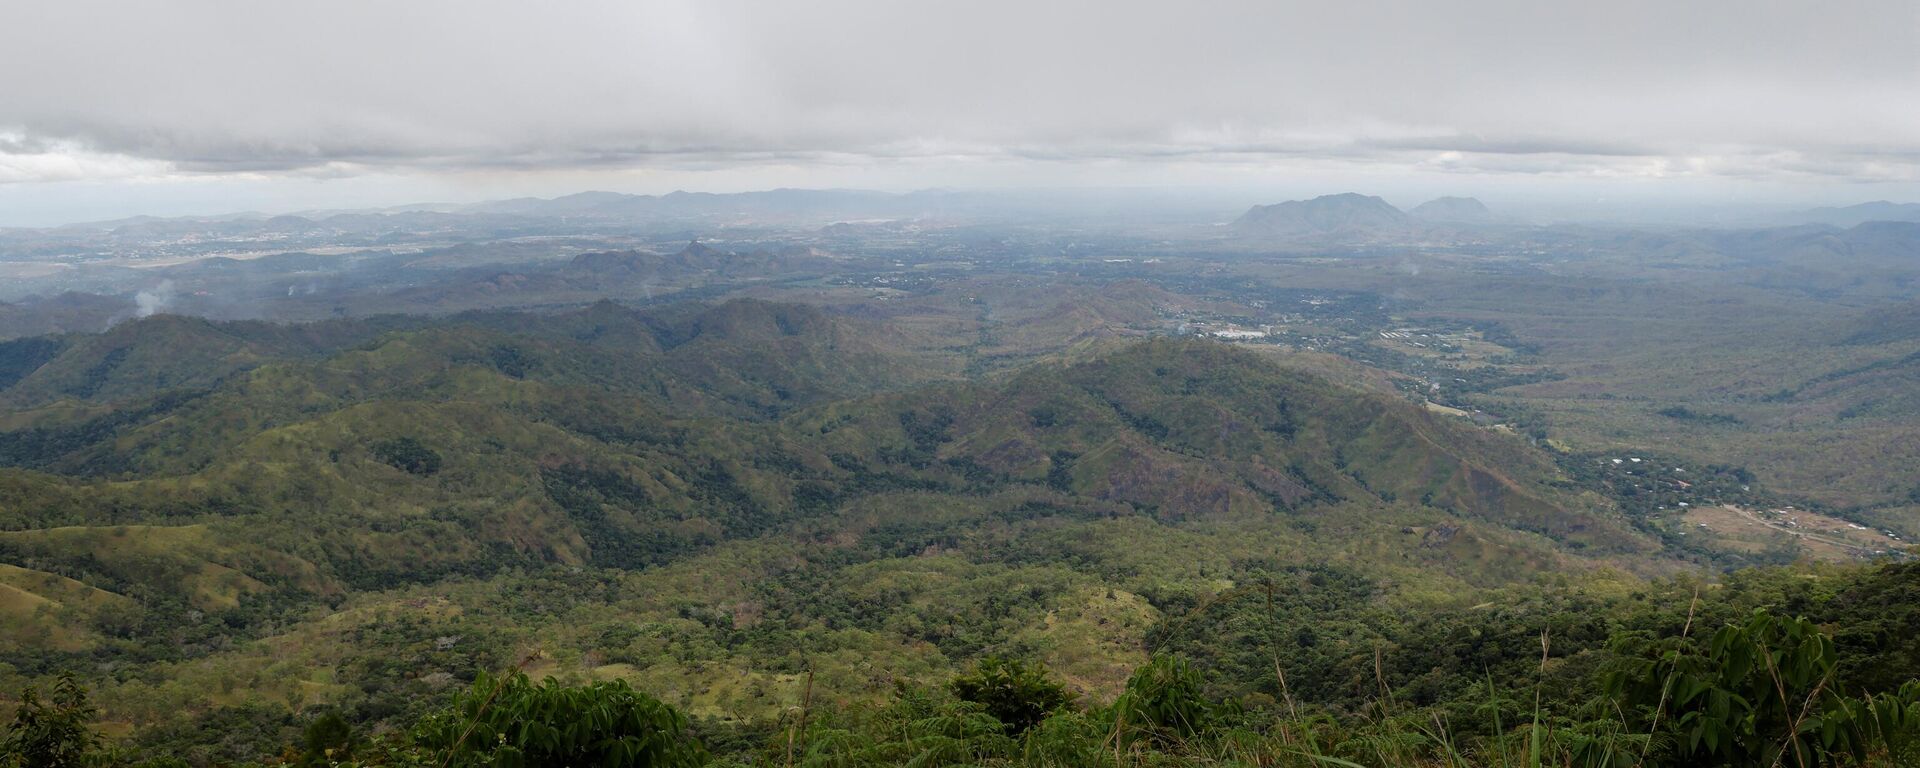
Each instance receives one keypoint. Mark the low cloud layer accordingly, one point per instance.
(107, 90)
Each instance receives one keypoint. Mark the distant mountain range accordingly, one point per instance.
(777, 203)
(1854, 215)
(770, 206)
(1339, 215)
(1357, 217)
(1336, 215)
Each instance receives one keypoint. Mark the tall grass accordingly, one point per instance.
(1164, 719)
(1756, 694)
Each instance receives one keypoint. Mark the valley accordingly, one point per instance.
(995, 384)
(741, 464)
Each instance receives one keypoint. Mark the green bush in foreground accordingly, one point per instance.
(54, 732)
(1017, 694)
(513, 722)
(1763, 692)
(1760, 691)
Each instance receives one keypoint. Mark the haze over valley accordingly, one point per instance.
(634, 385)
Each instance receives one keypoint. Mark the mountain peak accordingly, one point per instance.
(1344, 214)
(1453, 209)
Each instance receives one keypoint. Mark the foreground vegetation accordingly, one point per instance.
(1565, 680)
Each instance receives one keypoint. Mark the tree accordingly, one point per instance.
(52, 733)
(1015, 693)
(329, 738)
(513, 722)
(408, 455)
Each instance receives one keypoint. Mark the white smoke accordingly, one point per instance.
(150, 301)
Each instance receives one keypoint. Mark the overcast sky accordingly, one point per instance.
(113, 108)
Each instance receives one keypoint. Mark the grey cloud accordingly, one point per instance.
(24, 145)
(1520, 145)
(213, 86)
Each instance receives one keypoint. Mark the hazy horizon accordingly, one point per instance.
(1102, 383)
(205, 108)
(1644, 208)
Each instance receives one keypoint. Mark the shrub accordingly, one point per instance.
(55, 732)
(328, 738)
(513, 722)
(1164, 702)
(1761, 692)
(1016, 694)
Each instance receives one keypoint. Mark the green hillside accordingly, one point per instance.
(578, 440)
(717, 503)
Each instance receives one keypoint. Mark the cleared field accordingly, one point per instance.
(1818, 537)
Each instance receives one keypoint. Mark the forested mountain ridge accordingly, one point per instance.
(711, 500)
(616, 438)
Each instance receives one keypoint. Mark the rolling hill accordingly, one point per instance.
(620, 439)
(729, 504)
